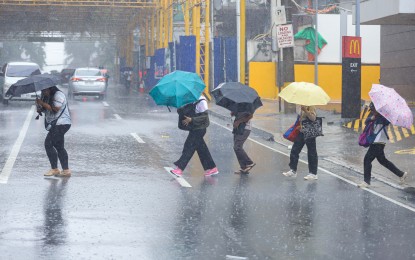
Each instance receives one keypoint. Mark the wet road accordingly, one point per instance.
(121, 203)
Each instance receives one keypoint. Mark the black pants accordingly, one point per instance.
(376, 151)
(238, 142)
(311, 153)
(195, 142)
(55, 146)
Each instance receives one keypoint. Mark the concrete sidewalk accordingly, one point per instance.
(339, 145)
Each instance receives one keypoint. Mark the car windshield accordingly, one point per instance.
(22, 70)
(88, 73)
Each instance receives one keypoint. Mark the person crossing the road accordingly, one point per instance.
(241, 130)
(376, 149)
(57, 121)
(195, 142)
(307, 112)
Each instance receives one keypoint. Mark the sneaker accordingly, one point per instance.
(311, 177)
(290, 173)
(178, 172)
(52, 172)
(211, 172)
(64, 173)
(248, 168)
(363, 185)
(238, 171)
(402, 179)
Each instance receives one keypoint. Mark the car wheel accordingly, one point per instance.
(101, 97)
(5, 101)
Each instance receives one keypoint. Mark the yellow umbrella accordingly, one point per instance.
(304, 93)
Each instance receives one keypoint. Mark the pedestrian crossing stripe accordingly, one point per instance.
(395, 133)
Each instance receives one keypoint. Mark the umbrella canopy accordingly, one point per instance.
(236, 97)
(391, 105)
(304, 93)
(33, 83)
(177, 89)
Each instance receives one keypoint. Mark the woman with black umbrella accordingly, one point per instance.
(57, 121)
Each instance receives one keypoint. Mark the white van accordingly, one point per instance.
(13, 72)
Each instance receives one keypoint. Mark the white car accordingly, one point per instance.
(13, 72)
(87, 82)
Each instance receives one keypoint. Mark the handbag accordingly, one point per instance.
(52, 123)
(292, 132)
(240, 129)
(189, 111)
(312, 129)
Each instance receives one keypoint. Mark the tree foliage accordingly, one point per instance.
(23, 51)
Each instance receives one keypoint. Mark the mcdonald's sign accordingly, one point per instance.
(352, 47)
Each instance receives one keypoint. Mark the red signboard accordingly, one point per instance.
(352, 47)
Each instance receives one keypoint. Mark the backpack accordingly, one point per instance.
(368, 136)
(188, 110)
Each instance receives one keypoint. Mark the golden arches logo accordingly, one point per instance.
(355, 45)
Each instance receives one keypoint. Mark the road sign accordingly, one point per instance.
(280, 17)
(285, 36)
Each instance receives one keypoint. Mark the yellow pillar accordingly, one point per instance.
(242, 42)
(170, 22)
(152, 33)
(186, 14)
(160, 27)
(196, 31)
(207, 44)
(165, 23)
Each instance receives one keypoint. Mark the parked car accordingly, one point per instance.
(87, 82)
(66, 74)
(14, 71)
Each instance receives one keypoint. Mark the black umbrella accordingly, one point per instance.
(237, 97)
(33, 83)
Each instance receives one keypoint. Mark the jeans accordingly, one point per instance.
(298, 145)
(376, 151)
(195, 142)
(238, 142)
(55, 146)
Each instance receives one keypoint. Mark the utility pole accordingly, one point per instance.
(316, 45)
(358, 18)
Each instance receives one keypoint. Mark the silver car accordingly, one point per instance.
(87, 82)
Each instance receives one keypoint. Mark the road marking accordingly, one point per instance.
(8, 167)
(330, 173)
(405, 132)
(236, 257)
(391, 138)
(105, 104)
(397, 133)
(406, 151)
(117, 116)
(138, 138)
(180, 180)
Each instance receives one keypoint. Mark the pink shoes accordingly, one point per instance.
(211, 172)
(178, 172)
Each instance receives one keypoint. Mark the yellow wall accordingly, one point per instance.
(262, 78)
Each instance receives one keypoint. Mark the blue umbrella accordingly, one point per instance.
(177, 89)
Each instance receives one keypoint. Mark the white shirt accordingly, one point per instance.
(380, 137)
(202, 106)
(59, 100)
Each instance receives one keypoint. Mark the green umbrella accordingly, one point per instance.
(177, 89)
